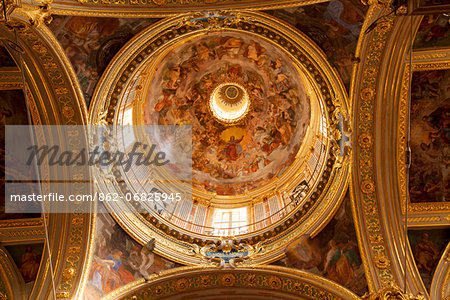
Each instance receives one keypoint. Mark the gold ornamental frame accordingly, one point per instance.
(379, 188)
(429, 214)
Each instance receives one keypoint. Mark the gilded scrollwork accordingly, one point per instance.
(365, 138)
(376, 3)
(392, 292)
(424, 219)
(7, 7)
(212, 20)
(37, 16)
(431, 66)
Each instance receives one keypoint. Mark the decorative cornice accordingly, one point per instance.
(13, 78)
(424, 219)
(430, 55)
(21, 223)
(427, 66)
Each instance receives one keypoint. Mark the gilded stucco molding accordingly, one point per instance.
(427, 66)
(425, 62)
(280, 280)
(13, 78)
(429, 56)
(392, 292)
(390, 83)
(57, 102)
(148, 8)
(22, 223)
(15, 235)
(37, 16)
(371, 238)
(7, 7)
(426, 219)
(379, 223)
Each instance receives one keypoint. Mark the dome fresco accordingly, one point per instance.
(235, 156)
(265, 112)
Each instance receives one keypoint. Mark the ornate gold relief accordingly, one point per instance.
(42, 61)
(377, 3)
(270, 280)
(162, 2)
(365, 140)
(382, 261)
(392, 292)
(424, 219)
(431, 66)
(227, 253)
(428, 56)
(366, 189)
(21, 223)
(37, 16)
(6, 9)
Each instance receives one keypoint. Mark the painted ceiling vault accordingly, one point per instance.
(309, 149)
(277, 120)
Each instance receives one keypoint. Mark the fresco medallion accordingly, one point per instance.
(246, 102)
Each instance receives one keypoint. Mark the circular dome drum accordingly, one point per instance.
(265, 116)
